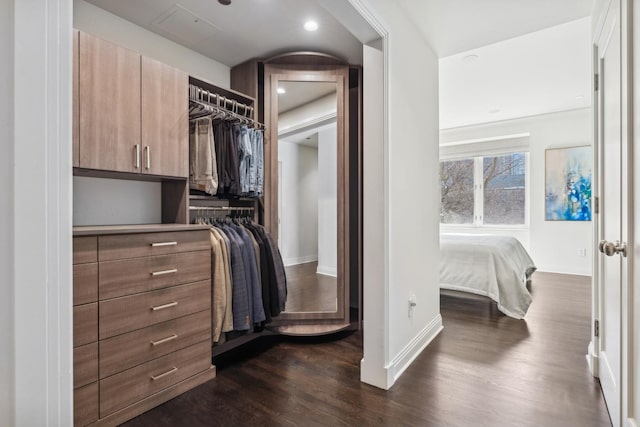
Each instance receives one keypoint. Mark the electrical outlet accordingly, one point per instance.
(582, 252)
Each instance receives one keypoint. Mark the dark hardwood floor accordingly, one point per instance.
(484, 369)
(309, 291)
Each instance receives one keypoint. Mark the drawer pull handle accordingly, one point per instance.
(164, 340)
(169, 372)
(163, 272)
(162, 307)
(157, 245)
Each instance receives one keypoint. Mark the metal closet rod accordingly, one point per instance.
(220, 208)
(199, 94)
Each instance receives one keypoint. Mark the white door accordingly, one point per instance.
(610, 166)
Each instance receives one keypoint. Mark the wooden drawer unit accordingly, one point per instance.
(142, 318)
(85, 404)
(85, 364)
(131, 276)
(85, 324)
(150, 244)
(125, 388)
(125, 314)
(134, 348)
(85, 283)
(85, 249)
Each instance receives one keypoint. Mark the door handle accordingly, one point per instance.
(137, 154)
(612, 248)
(147, 152)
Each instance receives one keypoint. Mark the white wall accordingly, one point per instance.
(299, 217)
(138, 202)
(6, 213)
(328, 201)
(553, 245)
(410, 156)
(308, 114)
(99, 201)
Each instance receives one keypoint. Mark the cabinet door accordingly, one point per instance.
(109, 106)
(165, 119)
(76, 111)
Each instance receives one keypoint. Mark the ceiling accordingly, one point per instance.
(245, 29)
(533, 56)
(301, 93)
(541, 72)
(454, 26)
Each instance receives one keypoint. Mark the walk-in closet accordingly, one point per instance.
(212, 207)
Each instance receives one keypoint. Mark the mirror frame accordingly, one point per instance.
(339, 74)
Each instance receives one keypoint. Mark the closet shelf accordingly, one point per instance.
(128, 229)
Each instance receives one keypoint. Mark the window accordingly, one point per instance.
(456, 191)
(484, 190)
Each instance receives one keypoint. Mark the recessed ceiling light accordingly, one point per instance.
(470, 58)
(494, 111)
(580, 97)
(311, 25)
(281, 91)
(224, 2)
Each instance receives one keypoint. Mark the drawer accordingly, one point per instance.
(128, 350)
(126, 314)
(85, 249)
(149, 244)
(85, 364)
(85, 404)
(85, 324)
(132, 276)
(125, 388)
(85, 283)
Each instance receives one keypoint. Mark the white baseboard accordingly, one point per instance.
(300, 260)
(412, 350)
(592, 361)
(631, 422)
(559, 269)
(327, 270)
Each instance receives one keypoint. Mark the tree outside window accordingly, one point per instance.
(484, 190)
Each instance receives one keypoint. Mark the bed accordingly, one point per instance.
(497, 267)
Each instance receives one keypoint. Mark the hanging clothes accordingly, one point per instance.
(222, 315)
(245, 156)
(203, 171)
(240, 160)
(228, 163)
(248, 279)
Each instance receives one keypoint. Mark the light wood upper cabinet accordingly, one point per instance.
(109, 77)
(165, 119)
(76, 110)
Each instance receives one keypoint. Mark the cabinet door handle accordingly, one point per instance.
(163, 306)
(169, 372)
(164, 340)
(155, 245)
(163, 272)
(147, 150)
(137, 150)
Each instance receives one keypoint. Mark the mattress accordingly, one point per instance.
(494, 266)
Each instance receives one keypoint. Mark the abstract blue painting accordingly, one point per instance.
(568, 184)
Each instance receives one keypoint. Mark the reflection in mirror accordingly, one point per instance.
(307, 194)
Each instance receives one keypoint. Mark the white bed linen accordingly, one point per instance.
(489, 265)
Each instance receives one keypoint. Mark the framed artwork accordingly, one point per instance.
(568, 174)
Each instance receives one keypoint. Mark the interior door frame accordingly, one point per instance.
(625, 383)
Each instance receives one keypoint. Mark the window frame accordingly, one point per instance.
(478, 190)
